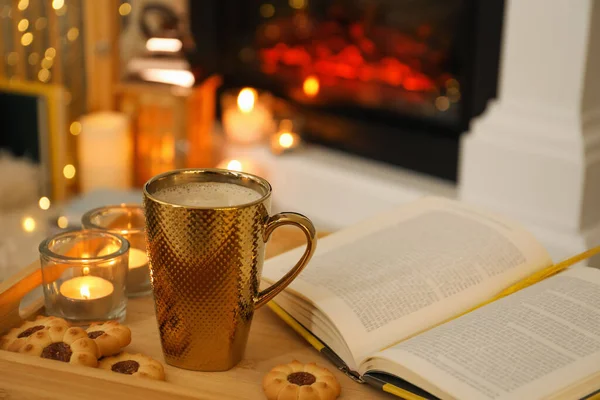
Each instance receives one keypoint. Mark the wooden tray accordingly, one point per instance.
(271, 342)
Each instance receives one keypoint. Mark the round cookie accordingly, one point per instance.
(62, 344)
(16, 337)
(110, 337)
(297, 381)
(135, 365)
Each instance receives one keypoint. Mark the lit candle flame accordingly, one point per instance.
(246, 100)
(85, 292)
(286, 140)
(311, 86)
(234, 165)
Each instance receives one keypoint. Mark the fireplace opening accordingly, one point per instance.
(393, 80)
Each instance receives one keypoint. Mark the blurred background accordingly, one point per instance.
(347, 106)
(98, 96)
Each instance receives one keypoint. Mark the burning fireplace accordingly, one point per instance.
(393, 80)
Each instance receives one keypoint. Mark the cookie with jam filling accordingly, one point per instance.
(134, 365)
(16, 337)
(297, 381)
(61, 343)
(110, 337)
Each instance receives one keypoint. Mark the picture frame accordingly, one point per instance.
(39, 107)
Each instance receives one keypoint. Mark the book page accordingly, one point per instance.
(529, 345)
(388, 278)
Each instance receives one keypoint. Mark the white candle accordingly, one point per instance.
(86, 288)
(105, 151)
(137, 258)
(249, 120)
(86, 297)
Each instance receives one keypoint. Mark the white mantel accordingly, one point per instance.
(535, 153)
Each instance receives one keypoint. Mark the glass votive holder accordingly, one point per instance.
(128, 221)
(84, 275)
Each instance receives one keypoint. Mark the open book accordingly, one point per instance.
(384, 299)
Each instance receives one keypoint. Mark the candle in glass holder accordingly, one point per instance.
(126, 220)
(248, 119)
(285, 139)
(81, 285)
(87, 295)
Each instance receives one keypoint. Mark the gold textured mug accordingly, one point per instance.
(206, 264)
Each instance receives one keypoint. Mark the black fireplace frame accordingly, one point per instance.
(414, 143)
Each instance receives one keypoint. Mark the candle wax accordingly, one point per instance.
(137, 258)
(86, 288)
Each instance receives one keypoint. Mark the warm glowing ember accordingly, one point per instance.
(311, 86)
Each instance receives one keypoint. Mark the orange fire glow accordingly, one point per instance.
(311, 86)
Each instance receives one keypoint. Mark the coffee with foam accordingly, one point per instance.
(207, 194)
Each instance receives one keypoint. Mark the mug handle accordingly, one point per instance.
(274, 222)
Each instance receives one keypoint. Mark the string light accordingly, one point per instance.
(12, 58)
(442, 103)
(62, 10)
(23, 25)
(69, 171)
(75, 128)
(47, 63)
(298, 4)
(23, 4)
(33, 58)
(44, 75)
(58, 4)
(41, 23)
(452, 83)
(27, 38)
(44, 203)
(267, 10)
(50, 52)
(125, 9)
(73, 34)
(62, 222)
(28, 224)
(453, 94)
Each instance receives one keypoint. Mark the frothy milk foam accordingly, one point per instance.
(207, 194)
